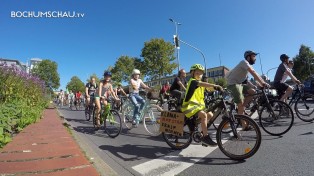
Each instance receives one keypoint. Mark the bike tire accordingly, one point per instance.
(279, 123)
(112, 123)
(178, 142)
(303, 109)
(151, 123)
(242, 145)
(127, 114)
(94, 118)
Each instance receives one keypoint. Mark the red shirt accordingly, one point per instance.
(78, 95)
(164, 89)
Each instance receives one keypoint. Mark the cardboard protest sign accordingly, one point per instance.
(172, 122)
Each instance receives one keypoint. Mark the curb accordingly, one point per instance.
(102, 168)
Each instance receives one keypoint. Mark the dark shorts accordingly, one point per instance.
(281, 87)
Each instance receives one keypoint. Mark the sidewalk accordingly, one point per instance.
(45, 148)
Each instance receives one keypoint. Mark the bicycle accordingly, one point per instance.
(234, 141)
(89, 110)
(150, 122)
(110, 118)
(275, 117)
(71, 104)
(302, 105)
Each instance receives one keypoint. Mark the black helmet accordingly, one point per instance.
(283, 57)
(107, 73)
(249, 52)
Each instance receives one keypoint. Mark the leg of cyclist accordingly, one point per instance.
(97, 115)
(206, 140)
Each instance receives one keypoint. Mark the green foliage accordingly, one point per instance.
(76, 84)
(210, 80)
(303, 63)
(95, 76)
(46, 70)
(158, 58)
(23, 98)
(123, 68)
(222, 82)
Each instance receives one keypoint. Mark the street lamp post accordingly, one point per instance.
(177, 48)
(269, 70)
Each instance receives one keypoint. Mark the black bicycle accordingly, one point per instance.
(303, 103)
(275, 117)
(234, 141)
(89, 109)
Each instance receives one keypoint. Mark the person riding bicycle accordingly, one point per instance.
(179, 86)
(103, 93)
(164, 92)
(119, 90)
(238, 84)
(135, 84)
(71, 98)
(90, 90)
(193, 102)
(280, 78)
(77, 97)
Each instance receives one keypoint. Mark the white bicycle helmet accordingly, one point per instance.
(136, 72)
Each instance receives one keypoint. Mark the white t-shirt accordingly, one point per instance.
(137, 84)
(239, 73)
(285, 75)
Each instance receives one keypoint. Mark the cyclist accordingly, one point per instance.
(90, 90)
(178, 86)
(61, 97)
(77, 98)
(119, 91)
(135, 84)
(71, 98)
(279, 81)
(164, 92)
(105, 90)
(193, 102)
(238, 84)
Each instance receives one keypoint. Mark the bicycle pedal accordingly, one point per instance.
(204, 145)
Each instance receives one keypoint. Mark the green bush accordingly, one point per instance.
(22, 101)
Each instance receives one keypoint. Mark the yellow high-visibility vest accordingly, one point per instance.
(196, 102)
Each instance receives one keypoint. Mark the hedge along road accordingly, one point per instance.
(135, 152)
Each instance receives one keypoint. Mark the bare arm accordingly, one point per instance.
(209, 85)
(100, 89)
(113, 93)
(181, 85)
(256, 76)
(86, 92)
(293, 77)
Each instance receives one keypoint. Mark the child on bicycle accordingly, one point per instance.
(135, 84)
(193, 103)
(104, 91)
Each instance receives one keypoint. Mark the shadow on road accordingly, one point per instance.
(129, 152)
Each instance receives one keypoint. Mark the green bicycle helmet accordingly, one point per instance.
(197, 66)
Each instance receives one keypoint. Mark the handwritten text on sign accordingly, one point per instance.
(172, 122)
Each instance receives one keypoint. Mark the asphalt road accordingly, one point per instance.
(135, 152)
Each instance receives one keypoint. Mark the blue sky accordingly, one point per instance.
(110, 29)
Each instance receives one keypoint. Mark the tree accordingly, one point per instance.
(123, 68)
(303, 63)
(158, 58)
(210, 80)
(222, 82)
(76, 84)
(46, 70)
(95, 76)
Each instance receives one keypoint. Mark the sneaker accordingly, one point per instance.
(207, 141)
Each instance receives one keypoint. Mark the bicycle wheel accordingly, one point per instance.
(127, 114)
(87, 113)
(304, 108)
(94, 117)
(113, 124)
(239, 143)
(151, 123)
(178, 142)
(278, 120)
